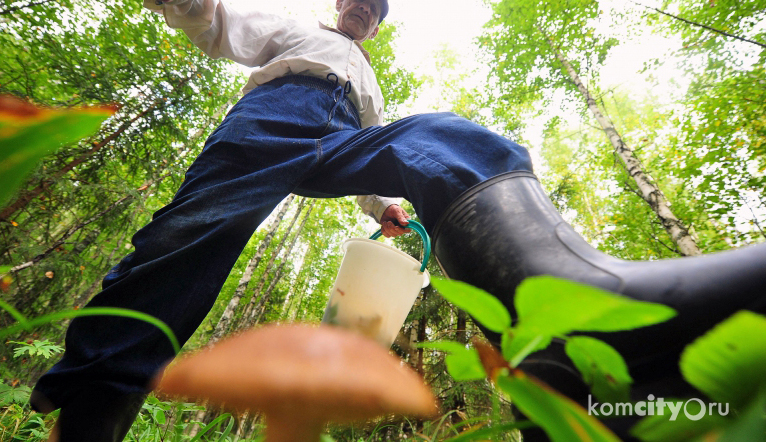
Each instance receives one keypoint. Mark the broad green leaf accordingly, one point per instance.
(675, 424)
(516, 346)
(727, 363)
(5, 269)
(484, 308)
(602, 368)
(28, 133)
(159, 416)
(749, 426)
(553, 306)
(561, 418)
(463, 364)
(13, 395)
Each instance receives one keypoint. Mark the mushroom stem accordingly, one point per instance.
(292, 428)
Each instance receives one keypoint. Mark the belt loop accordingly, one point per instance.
(339, 93)
(330, 79)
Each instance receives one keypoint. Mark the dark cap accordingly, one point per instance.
(383, 10)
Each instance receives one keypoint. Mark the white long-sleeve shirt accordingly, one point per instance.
(280, 47)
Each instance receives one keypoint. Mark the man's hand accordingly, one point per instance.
(392, 215)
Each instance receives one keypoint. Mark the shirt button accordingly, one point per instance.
(352, 63)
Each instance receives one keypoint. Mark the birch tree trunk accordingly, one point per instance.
(260, 308)
(269, 265)
(411, 336)
(294, 292)
(228, 314)
(649, 191)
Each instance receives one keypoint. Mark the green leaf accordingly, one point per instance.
(727, 363)
(19, 351)
(14, 313)
(14, 395)
(159, 416)
(5, 269)
(561, 418)
(207, 428)
(750, 425)
(463, 364)
(674, 424)
(553, 306)
(43, 348)
(28, 133)
(485, 308)
(602, 368)
(516, 345)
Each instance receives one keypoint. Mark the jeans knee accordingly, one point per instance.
(448, 123)
(452, 127)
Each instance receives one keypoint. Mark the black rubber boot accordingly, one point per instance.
(506, 229)
(96, 415)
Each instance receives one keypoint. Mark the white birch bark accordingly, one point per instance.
(267, 269)
(261, 306)
(293, 293)
(649, 191)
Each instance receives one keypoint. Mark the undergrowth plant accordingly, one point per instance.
(727, 364)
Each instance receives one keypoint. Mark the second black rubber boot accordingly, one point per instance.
(506, 229)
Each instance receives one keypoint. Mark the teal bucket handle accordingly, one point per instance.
(416, 226)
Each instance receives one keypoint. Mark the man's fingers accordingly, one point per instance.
(402, 217)
(389, 229)
(393, 221)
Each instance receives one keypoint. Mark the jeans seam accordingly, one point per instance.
(351, 110)
(319, 152)
(326, 130)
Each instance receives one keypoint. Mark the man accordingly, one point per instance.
(310, 123)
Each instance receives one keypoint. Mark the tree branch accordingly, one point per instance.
(66, 235)
(28, 5)
(700, 25)
(72, 230)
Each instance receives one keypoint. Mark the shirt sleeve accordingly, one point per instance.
(375, 205)
(251, 38)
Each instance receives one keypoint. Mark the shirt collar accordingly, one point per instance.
(358, 44)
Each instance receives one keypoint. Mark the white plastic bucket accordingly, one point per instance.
(375, 289)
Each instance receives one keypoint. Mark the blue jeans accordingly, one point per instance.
(294, 134)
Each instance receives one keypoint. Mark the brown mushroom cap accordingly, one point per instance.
(318, 373)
